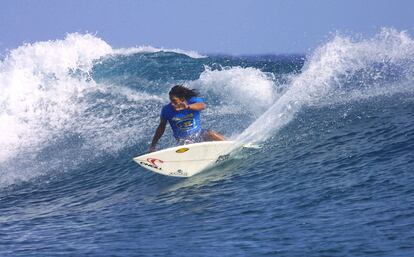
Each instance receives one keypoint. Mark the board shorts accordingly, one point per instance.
(197, 137)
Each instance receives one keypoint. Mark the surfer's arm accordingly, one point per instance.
(158, 134)
(193, 107)
(196, 106)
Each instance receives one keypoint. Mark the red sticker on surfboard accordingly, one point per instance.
(153, 160)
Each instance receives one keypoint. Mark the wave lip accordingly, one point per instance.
(36, 86)
(54, 115)
(342, 70)
(151, 49)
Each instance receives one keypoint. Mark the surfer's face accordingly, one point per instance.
(178, 103)
(176, 100)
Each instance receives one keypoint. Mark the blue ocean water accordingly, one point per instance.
(334, 175)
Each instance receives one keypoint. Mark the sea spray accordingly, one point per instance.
(247, 88)
(37, 91)
(362, 65)
(55, 116)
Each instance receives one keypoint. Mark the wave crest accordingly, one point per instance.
(341, 70)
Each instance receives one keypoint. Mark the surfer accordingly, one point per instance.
(183, 114)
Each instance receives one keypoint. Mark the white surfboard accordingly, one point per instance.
(186, 160)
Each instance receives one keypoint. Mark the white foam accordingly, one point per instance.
(48, 98)
(331, 67)
(35, 86)
(248, 88)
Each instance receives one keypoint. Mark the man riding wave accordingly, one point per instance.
(183, 115)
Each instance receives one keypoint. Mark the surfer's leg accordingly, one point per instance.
(211, 135)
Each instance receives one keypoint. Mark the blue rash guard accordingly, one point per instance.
(184, 123)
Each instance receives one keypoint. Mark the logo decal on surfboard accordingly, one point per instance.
(151, 163)
(179, 173)
(182, 150)
(222, 158)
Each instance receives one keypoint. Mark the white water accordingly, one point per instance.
(241, 88)
(48, 97)
(327, 72)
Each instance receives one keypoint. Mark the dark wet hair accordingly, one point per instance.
(181, 91)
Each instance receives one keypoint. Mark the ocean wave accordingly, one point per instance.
(341, 70)
(248, 88)
(58, 113)
(54, 115)
(151, 49)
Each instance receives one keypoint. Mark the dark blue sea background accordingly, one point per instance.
(334, 174)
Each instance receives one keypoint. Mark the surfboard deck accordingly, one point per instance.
(186, 160)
